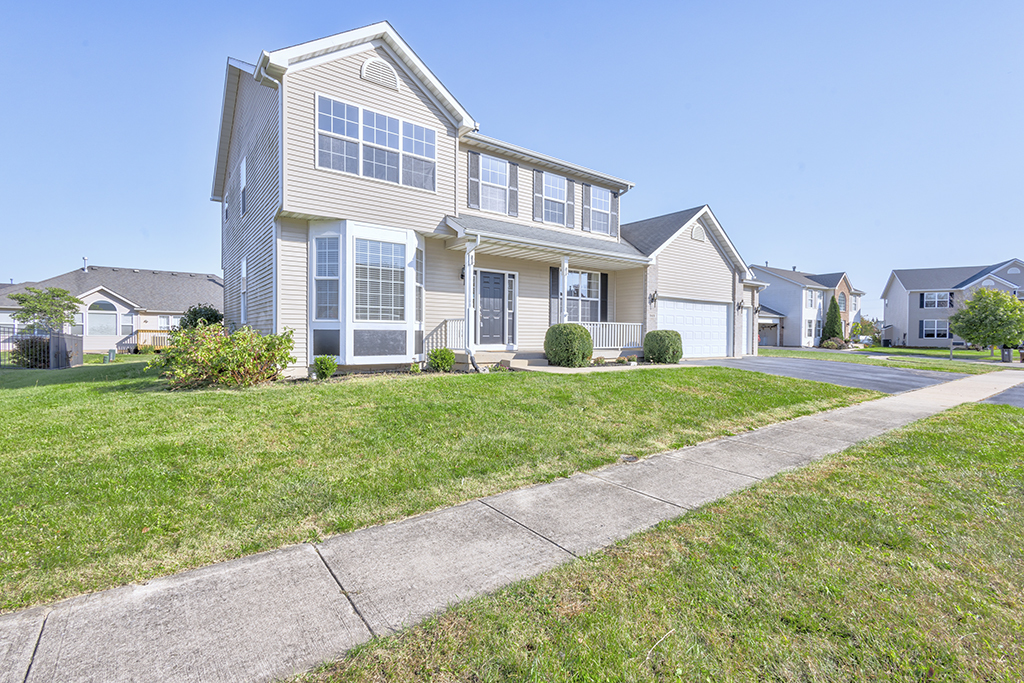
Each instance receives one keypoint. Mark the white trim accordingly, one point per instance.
(374, 59)
(718, 237)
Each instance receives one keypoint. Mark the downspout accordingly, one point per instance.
(470, 301)
(261, 76)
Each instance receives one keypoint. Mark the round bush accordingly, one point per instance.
(200, 314)
(325, 366)
(442, 360)
(568, 345)
(663, 346)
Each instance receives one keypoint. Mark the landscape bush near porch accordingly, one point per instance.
(663, 346)
(207, 356)
(568, 345)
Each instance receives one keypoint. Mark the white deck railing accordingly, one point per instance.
(450, 334)
(614, 335)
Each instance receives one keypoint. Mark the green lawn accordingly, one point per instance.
(909, 363)
(958, 354)
(107, 478)
(901, 559)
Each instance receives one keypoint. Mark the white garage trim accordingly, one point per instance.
(703, 325)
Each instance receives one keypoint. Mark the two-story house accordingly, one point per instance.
(919, 301)
(794, 306)
(363, 209)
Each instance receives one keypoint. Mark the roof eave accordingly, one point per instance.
(232, 73)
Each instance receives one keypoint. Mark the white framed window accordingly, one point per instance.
(241, 186)
(600, 210)
(817, 328)
(554, 199)
(163, 322)
(338, 135)
(379, 280)
(493, 184)
(936, 299)
(102, 318)
(841, 300)
(809, 331)
(809, 298)
(243, 292)
(326, 283)
(935, 329)
(78, 328)
(381, 160)
(583, 296)
(419, 149)
(127, 324)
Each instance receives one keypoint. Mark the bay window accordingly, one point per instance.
(379, 280)
(326, 278)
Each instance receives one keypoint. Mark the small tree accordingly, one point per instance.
(197, 314)
(833, 323)
(51, 308)
(989, 318)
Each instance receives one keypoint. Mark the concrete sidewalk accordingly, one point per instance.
(278, 613)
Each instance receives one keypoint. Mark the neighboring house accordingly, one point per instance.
(919, 301)
(798, 303)
(122, 306)
(362, 209)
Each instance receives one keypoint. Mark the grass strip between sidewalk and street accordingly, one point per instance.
(937, 364)
(107, 478)
(900, 559)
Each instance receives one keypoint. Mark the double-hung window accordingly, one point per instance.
(554, 199)
(600, 210)
(936, 299)
(809, 299)
(935, 329)
(841, 301)
(419, 149)
(379, 280)
(338, 135)
(809, 332)
(380, 146)
(493, 184)
(583, 296)
(817, 328)
(326, 278)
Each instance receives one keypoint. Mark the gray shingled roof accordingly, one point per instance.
(579, 240)
(830, 280)
(152, 290)
(943, 278)
(649, 234)
(770, 312)
(796, 276)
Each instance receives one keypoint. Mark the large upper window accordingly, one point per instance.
(493, 184)
(379, 280)
(935, 329)
(392, 150)
(326, 278)
(600, 210)
(841, 300)
(583, 296)
(102, 318)
(936, 299)
(554, 199)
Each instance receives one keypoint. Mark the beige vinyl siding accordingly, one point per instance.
(254, 136)
(332, 194)
(525, 216)
(695, 270)
(443, 288)
(630, 301)
(293, 284)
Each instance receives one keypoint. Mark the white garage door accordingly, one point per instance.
(704, 326)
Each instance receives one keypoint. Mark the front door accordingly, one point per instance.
(492, 295)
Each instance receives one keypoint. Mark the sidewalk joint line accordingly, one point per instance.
(642, 493)
(532, 531)
(35, 650)
(344, 592)
(726, 469)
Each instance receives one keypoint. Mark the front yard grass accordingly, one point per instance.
(910, 363)
(901, 559)
(958, 353)
(107, 478)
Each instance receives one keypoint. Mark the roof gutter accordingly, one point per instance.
(561, 248)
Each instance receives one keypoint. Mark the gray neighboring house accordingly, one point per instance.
(794, 307)
(919, 301)
(121, 302)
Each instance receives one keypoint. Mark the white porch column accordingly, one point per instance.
(470, 303)
(564, 273)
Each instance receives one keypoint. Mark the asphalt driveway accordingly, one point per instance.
(857, 375)
(1010, 397)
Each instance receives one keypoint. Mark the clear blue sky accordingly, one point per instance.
(859, 136)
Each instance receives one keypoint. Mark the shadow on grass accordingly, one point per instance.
(123, 376)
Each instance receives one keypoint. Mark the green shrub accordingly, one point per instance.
(207, 356)
(631, 359)
(442, 360)
(200, 314)
(830, 345)
(144, 348)
(599, 360)
(31, 352)
(663, 346)
(568, 345)
(621, 360)
(415, 368)
(325, 366)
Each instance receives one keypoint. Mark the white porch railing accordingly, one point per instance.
(614, 335)
(450, 334)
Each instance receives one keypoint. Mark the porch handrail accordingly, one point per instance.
(449, 334)
(614, 335)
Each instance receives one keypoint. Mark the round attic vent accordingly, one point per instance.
(380, 72)
(988, 283)
(698, 233)
(1013, 271)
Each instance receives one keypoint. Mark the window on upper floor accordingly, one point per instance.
(554, 199)
(389, 148)
(325, 278)
(936, 300)
(841, 300)
(809, 298)
(600, 210)
(493, 184)
(379, 280)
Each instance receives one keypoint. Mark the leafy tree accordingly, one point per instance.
(51, 308)
(865, 328)
(989, 318)
(833, 323)
(197, 314)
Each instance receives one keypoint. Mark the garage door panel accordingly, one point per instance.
(702, 325)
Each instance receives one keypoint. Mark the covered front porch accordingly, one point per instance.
(516, 281)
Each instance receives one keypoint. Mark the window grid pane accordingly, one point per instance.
(380, 164)
(327, 299)
(418, 140)
(338, 118)
(327, 257)
(418, 173)
(340, 155)
(379, 129)
(379, 280)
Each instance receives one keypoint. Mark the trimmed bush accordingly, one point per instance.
(207, 356)
(442, 360)
(568, 345)
(663, 346)
(325, 366)
(31, 352)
